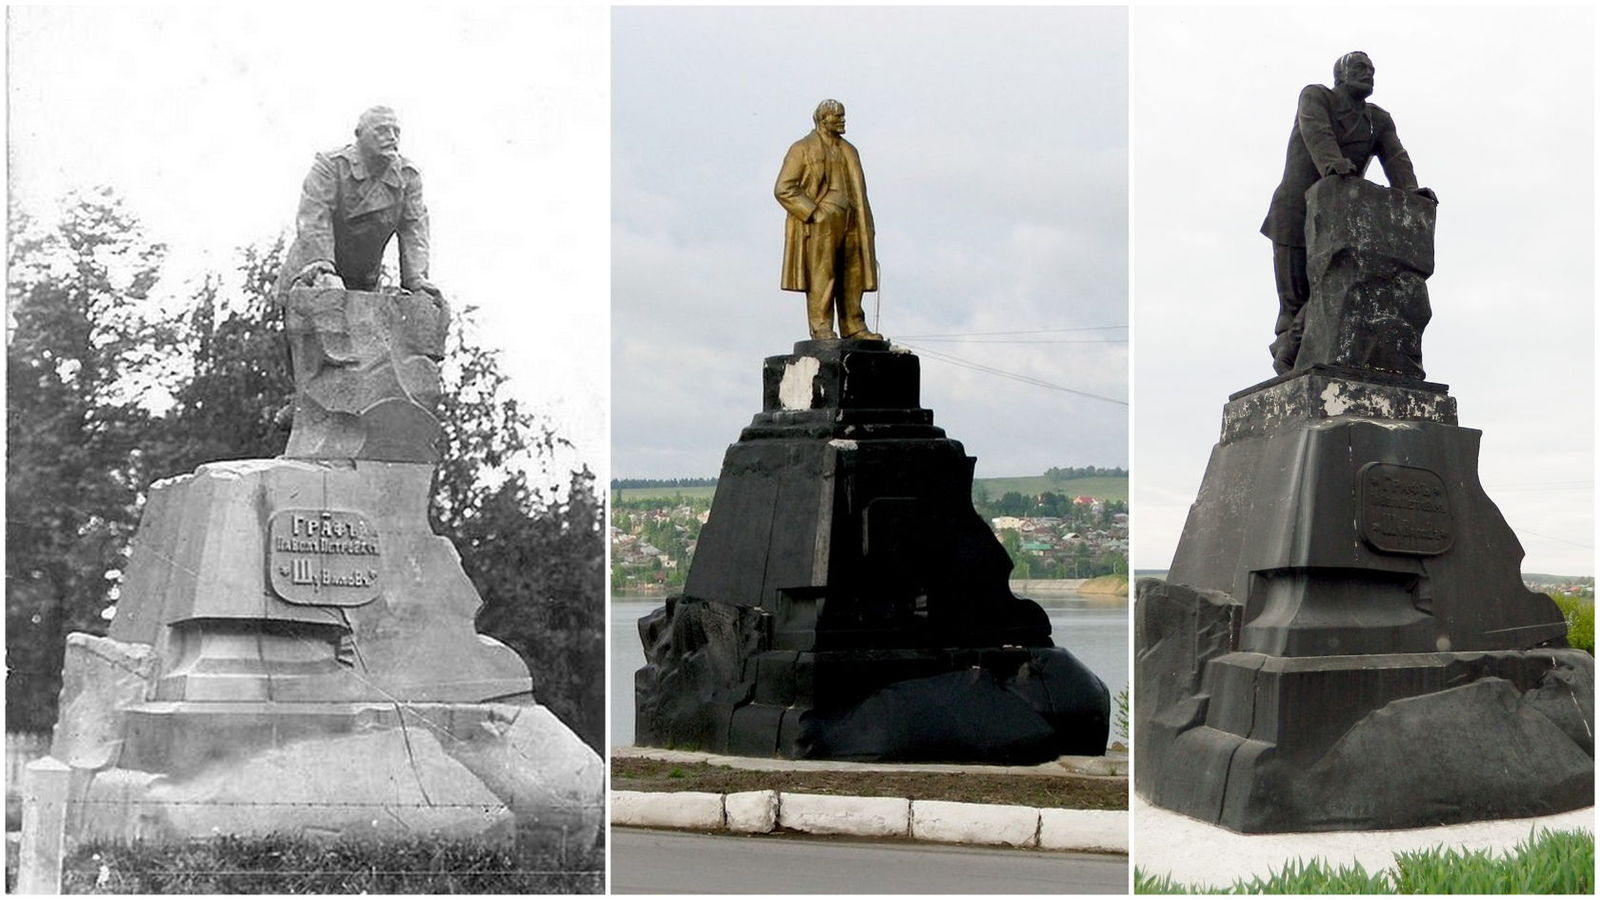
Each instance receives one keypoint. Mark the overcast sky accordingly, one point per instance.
(1496, 109)
(206, 120)
(994, 144)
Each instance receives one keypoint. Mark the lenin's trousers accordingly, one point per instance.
(834, 275)
(1294, 289)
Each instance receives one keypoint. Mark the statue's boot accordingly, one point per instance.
(854, 324)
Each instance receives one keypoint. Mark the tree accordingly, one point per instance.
(1013, 503)
(81, 355)
(234, 378)
(538, 561)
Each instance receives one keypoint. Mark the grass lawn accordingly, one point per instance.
(281, 864)
(1551, 862)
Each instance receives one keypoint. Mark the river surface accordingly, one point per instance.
(1096, 634)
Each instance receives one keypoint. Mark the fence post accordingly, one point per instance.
(44, 826)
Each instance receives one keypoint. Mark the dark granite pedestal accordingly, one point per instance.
(1343, 640)
(845, 600)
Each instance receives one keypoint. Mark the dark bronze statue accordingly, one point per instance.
(352, 202)
(1336, 132)
(828, 238)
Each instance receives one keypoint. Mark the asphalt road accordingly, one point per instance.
(666, 862)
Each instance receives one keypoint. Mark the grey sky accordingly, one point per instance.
(1496, 109)
(994, 146)
(205, 120)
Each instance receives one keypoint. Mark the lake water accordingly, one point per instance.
(1096, 635)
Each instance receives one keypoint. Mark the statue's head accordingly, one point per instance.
(1355, 70)
(378, 134)
(829, 117)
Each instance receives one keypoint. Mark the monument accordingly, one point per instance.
(845, 600)
(1343, 640)
(294, 648)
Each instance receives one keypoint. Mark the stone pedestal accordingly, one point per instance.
(846, 602)
(294, 648)
(1343, 640)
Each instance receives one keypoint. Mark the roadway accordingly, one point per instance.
(665, 862)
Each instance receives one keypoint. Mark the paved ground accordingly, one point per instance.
(1194, 852)
(664, 862)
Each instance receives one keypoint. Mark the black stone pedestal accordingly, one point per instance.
(1344, 640)
(846, 602)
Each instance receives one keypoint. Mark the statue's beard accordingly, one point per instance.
(382, 157)
(1359, 91)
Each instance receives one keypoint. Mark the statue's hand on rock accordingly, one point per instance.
(319, 274)
(1426, 192)
(1342, 166)
(424, 286)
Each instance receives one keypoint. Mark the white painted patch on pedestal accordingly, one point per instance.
(1333, 402)
(794, 391)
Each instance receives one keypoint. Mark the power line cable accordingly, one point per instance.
(964, 340)
(1022, 331)
(1025, 379)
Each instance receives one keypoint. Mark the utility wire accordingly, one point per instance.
(1024, 331)
(1026, 379)
(963, 340)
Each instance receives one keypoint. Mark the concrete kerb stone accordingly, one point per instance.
(855, 816)
(1084, 829)
(676, 809)
(948, 821)
(941, 821)
(761, 812)
(751, 812)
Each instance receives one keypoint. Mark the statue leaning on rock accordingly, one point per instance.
(1336, 132)
(353, 201)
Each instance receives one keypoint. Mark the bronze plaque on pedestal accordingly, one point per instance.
(323, 557)
(1403, 509)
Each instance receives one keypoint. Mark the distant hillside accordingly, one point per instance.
(1100, 487)
(664, 492)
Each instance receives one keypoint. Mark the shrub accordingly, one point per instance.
(1579, 612)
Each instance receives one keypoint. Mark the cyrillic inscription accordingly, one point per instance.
(1404, 510)
(323, 557)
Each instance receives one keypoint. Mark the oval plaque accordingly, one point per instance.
(1404, 509)
(323, 557)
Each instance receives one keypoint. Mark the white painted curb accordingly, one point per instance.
(752, 812)
(1084, 829)
(974, 823)
(677, 809)
(943, 821)
(856, 816)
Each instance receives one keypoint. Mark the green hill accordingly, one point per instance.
(703, 492)
(1101, 487)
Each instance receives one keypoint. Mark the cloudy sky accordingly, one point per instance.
(1496, 109)
(205, 120)
(994, 144)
